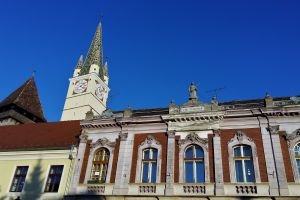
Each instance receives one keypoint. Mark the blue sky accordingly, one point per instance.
(155, 48)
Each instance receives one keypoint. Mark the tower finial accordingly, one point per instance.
(80, 62)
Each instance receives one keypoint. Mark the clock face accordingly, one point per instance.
(80, 86)
(100, 92)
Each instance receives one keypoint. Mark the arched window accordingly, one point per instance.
(100, 165)
(243, 164)
(149, 165)
(194, 164)
(297, 156)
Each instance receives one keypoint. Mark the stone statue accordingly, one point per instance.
(193, 92)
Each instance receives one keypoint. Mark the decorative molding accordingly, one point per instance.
(103, 142)
(150, 140)
(217, 132)
(83, 138)
(193, 138)
(241, 138)
(123, 136)
(171, 134)
(294, 135)
(273, 129)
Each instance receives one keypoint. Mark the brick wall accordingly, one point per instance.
(115, 162)
(211, 158)
(286, 158)
(85, 161)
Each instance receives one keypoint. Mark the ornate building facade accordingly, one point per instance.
(239, 149)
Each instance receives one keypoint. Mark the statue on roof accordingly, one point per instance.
(193, 92)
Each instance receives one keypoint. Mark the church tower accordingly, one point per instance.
(88, 88)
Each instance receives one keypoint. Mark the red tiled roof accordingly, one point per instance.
(27, 98)
(56, 135)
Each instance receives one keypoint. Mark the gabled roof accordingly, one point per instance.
(26, 97)
(32, 136)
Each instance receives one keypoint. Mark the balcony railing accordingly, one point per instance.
(247, 189)
(146, 189)
(193, 189)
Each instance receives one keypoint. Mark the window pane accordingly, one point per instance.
(154, 154)
(249, 171)
(237, 151)
(154, 171)
(146, 154)
(145, 172)
(189, 176)
(247, 151)
(200, 170)
(298, 165)
(239, 171)
(199, 152)
(53, 180)
(189, 153)
(297, 150)
(19, 179)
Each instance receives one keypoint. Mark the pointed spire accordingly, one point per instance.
(95, 53)
(26, 97)
(80, 62)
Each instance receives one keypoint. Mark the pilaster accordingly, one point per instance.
(270, 164)
(219, 190)
(170, 163)
(282, 181)
(78, 163)
(124, 163)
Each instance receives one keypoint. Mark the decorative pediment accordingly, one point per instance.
(193, 138)
(294, 135)
(150, 140)
(103, 142)
(240, 137)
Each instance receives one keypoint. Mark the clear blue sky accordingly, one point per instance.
(155, 48)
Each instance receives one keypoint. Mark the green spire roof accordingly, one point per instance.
(95, 53)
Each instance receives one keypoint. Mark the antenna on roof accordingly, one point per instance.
(216, 91)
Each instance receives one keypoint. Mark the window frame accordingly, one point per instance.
(194, 161)
(47, 178)
(243, 158)
(102, 163)
(150, 162)
(240, 138)
(190, 139)
(13, 177)
(100, 143)
(149, 142)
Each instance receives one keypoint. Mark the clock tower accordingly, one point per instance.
(88, 88)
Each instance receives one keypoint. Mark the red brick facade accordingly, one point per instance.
(286, 158)
(85, 161)
(115, 162)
